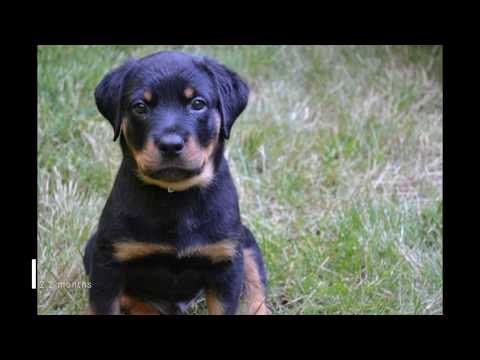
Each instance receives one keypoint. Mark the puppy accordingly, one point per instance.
(171, 230)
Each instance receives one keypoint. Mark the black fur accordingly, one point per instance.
(148, 213)
(233, 93)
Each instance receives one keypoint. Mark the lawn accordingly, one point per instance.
(337, 160)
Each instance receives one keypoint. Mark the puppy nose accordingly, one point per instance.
(170, 144)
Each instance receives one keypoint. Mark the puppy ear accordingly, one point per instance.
(108, 95)
(232, 92)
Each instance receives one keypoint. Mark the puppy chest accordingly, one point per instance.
(166, 278)
(161, 271)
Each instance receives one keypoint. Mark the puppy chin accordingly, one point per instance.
(173, 174)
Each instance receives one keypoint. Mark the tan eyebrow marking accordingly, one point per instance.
(147, 95)
(188, 92)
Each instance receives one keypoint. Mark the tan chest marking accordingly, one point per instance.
(220, 251)
(130, 250)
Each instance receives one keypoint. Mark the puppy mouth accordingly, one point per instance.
(174, 173)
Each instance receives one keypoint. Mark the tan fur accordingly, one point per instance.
(134, 306)
(188, 92)
(125, 251)
(214, 305)
(211, 147)
(150, 158)
(200, 180)
(220, 251)
(254, 292)
(147, 158)
(147, 95)
(193, 155)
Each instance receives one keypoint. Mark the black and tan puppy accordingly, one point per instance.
(171, 229)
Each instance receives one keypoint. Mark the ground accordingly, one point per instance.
(337, 160)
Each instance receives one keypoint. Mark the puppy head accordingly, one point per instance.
(172, 110)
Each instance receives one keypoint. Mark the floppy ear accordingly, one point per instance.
(232, 92)
(108, 94)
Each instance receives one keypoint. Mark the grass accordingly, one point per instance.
(337, 160)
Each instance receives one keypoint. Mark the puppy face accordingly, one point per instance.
(172, 109)
(171, 123)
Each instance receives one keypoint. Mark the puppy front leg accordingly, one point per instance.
(106, 283)
(255, 277)
(254, 290)
(224, 290)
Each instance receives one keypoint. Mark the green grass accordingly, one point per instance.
(337, 160)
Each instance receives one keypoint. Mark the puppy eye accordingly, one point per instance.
(198, 104)
(140, 108)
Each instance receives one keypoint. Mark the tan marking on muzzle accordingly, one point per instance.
(210, 149)
(193, 156)
(147, 158)
(201, 180)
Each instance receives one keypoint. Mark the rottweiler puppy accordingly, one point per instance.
(171, 230)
